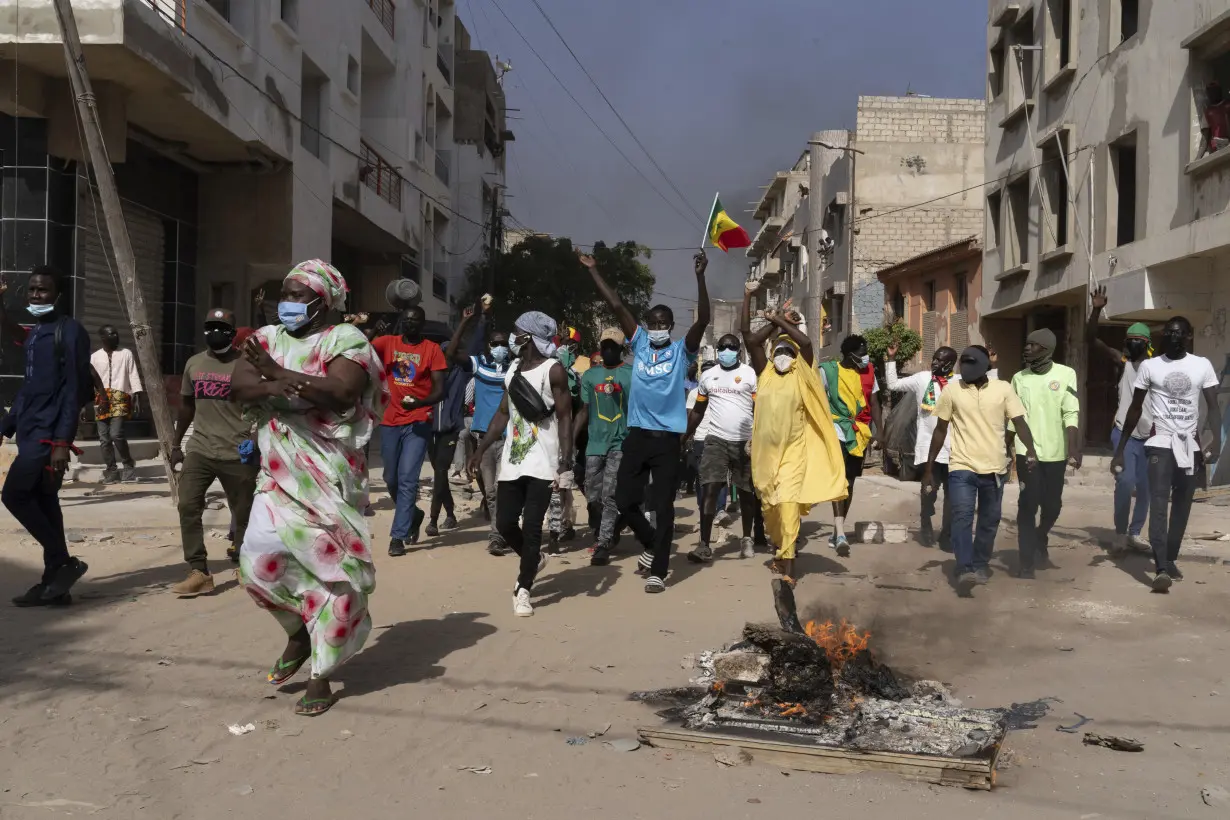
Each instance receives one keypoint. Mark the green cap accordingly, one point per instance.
(1140, 329)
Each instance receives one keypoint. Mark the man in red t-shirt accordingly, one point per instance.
(415, 369)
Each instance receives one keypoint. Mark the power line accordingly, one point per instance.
(590, 117)
(615, 111)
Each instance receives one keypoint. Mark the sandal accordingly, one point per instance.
(314, 707)
(283, 671)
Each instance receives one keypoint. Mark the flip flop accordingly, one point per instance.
(314, 707)
(283, 671)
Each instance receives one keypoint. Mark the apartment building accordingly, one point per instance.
(777, 254)
(246, 135)
(1105, 129)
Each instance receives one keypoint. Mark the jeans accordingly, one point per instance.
(526, 499)
(1133, 481)
(1041, 490)
(110, 439)
(443, 447)
(488, 478)
(32, 494)
(603, 477)
(650, 456)
(1171, 492)
(969, 490)
(238, 482)
(939, 473)
(403, 450)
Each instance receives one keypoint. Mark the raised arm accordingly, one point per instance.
(696, 333)
(457, 355)
(754, 342)
(778, 320)
(627, 322)
(1092, 341)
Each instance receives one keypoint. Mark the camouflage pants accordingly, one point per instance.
(561, 515)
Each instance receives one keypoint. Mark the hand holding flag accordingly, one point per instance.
(723, 231)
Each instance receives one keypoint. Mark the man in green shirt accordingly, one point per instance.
(1048, 391)
(604, 413)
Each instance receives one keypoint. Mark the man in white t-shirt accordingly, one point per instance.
(925, 389)
(1172, 384)
(725, 402)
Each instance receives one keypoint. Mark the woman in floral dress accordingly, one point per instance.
(314, 390)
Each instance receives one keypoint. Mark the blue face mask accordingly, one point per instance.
(863, 362)
(294, 315)
(499, 354)
(40, 310)
(728, 358)
(659, 337)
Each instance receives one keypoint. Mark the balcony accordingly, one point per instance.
(444, 164)
(378, 175)
(444, 61)
(766, 236)
(173, 11)
(384, 12)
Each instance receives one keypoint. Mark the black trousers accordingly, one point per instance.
(940, 474)
(32, 494)
(650, 455)
(440, 451)
(1041, 491)
(1170, 503)
(521, 506)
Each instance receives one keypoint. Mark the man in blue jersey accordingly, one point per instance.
(657, 418)
(489, 367)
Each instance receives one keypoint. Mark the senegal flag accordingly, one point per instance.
(723, 231)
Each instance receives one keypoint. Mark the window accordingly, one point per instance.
(439, 287)
(837, 316)
(898, 304)
(352, 75)
(311, 110)
(1209, 50)
(223, 7)
(409, 267)
(1121, 199)
(929, 295)
(1023, 60)
(1054, 174)
(994, 201)
(1129, 18)
(1060, 51)
(995, 70)
(1018, 223)
(290, 13)
(960, 292)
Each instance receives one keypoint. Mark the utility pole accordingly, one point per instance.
(852, 208)
(147, 356)
(496, 239)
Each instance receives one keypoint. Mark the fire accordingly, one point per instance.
(840, 642)
(718, 687)
(790, 709)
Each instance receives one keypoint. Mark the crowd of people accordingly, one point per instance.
(283, 416)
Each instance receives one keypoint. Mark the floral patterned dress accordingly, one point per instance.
(307, 554)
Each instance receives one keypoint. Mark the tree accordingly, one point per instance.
(543, 273)
(880, 338)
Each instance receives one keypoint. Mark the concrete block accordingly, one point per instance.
(879, 532)
(741, 667)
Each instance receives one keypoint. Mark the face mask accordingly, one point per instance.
(941, 369)
(499, 354)
(972, 371)
(293, 315)
(1039, 359)
(659, 337)
(219, 341)
(864, 361)
(783, 363)
(728, 358)
(40, 310)
(1137, 348)
(517, 344)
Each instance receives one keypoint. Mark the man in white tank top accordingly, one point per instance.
(537, 452)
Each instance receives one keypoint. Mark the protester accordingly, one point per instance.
(121, 380)
(797, 459)
(537, 453)
(726, 397)
(216, 450)
(1173, 384)
(448, 427)
(43, 421)
(561, 514)
(976, 408)
(314, 389)
(605, 390)
(657, 419)
(416, 369)
(925, 389)
(1133, 480)
(853, 397)
(695, 451)
(490, 370)
(1048, 393)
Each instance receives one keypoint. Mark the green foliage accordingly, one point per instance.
(880, 338)
(543, 273)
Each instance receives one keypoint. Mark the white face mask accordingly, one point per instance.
(659, 337)
(783, 363)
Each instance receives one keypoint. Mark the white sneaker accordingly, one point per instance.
(722, 519)
(1139, 544)
(749, 548)
(521, 603)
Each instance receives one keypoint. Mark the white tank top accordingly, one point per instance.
(531, 449)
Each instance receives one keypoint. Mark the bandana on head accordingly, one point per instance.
(541, 328)
(325, 280)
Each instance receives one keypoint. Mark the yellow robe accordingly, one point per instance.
(797, 460)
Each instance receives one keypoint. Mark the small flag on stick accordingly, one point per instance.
(723, 231)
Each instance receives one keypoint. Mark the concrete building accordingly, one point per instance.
(246, 136)
(1094, 124)
(908, 176)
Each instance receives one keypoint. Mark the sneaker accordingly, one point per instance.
(416, 521)
(654, 584)
(397, 548)
(966, 581)
(197, 583)
(1173, 571)
(748, 548)
(34, 596)
(722, 519)
(497, 548)
(68, 574)
(701, 555)
(432, 530)
(601, 557)
(1139, 544)
(569, 534)
(111, 477)
(232, 554)
(1027, 574)
(981, 577)
(521, 603)
(842, 545)
(1162, 582)
(129, 475)
(450, 524)
(926, 536)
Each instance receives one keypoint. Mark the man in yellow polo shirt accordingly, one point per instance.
(978, 410)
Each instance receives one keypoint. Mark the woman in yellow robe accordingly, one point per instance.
(796, 457)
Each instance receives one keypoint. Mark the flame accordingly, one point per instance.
(790, 709)
(840, 642)
(718, 687)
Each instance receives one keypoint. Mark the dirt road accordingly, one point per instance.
(118, 707)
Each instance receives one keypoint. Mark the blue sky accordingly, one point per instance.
(722, 93)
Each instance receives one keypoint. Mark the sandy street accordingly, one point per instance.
(118, 707)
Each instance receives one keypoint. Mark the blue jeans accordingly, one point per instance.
(969, 490)
(403, 450)
(1132, 482)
